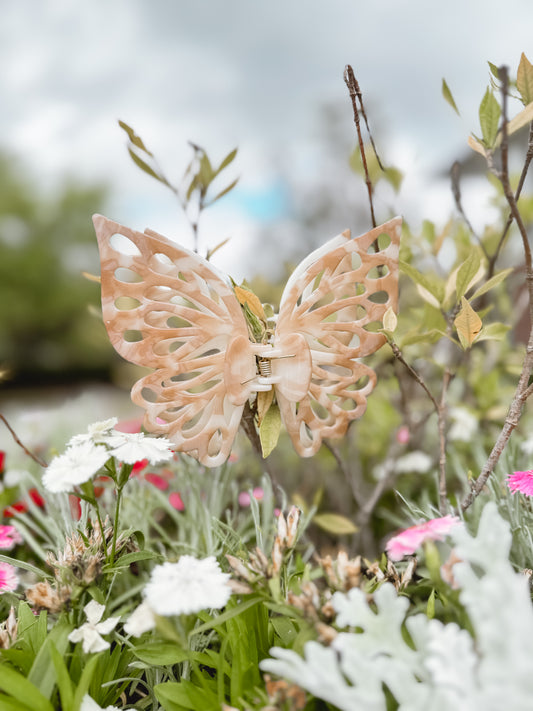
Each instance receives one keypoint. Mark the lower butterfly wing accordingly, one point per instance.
(330, 311)
(167, 308)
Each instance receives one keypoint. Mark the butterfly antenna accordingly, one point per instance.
(357, 98)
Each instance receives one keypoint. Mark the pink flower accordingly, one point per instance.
(244, 496)
(8, 578)
(129, 425)
(9, 537)
(521, 481)
(403, 435)
(175, 500)
(407, 542)
(158, 481)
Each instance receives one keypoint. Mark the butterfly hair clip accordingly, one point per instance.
(168, 309)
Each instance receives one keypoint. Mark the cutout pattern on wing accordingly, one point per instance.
(166, 308)
(336, 299)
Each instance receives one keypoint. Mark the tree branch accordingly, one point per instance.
(33, 456)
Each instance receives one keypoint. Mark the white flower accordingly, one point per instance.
(89, 704)
(190, 585)
(413, 462)
(89, 633)
(132, 447)
(141, 620)
(76, 466)
(97, 433)
(464, 425)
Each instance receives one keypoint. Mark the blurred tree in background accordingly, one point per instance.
(47, 331)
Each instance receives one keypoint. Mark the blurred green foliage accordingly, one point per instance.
(47, 330)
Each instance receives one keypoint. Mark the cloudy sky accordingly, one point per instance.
(245, 73)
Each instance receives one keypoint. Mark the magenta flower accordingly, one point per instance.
(407, 542)
(521, 481)
(8, 578)
(9, 537)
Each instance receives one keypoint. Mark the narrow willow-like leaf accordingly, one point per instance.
(524, 79)
(223, 192)
(144, 166)
(491, 283)
(448, 96)
(134, 138)
(218, 246)
(227, 160)
(489, 118)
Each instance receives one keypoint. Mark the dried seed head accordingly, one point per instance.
(326, 633)
(8, 630)
(293, 521)
(239, 568)
(44, 597)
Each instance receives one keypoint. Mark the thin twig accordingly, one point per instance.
(356, 95)
(523, 174)
(398, 355)
(523, 389)
(33, 456)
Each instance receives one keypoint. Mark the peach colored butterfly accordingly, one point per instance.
(167, 308)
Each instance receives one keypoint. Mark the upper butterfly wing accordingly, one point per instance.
(166, 308)
(330, 308)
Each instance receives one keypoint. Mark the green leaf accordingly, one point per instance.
(28, 696)
(432, 285)
(394, 177)
(25, 566)
(64, 684)
(494, 70)
(489, 118)
(335, 523)
(430, 609)
(226, 615)
(223, 192)
(135, 557)
(524, 79)
(447, 94)
(269, 429)
(467, 273)
(206, 172)
(144, 166)
(161, 654)
(85, 680)
(491, 283)
(42, 670)
(134, 138)
(468, 324)
(494, 332)
(227, 160)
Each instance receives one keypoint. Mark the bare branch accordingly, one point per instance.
(355, 95)
(30, 454)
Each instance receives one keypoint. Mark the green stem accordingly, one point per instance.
(115, 526)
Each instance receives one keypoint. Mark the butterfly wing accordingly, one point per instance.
(167, 308)
(329, 306)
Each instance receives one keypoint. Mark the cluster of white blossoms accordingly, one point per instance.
(87, 453)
